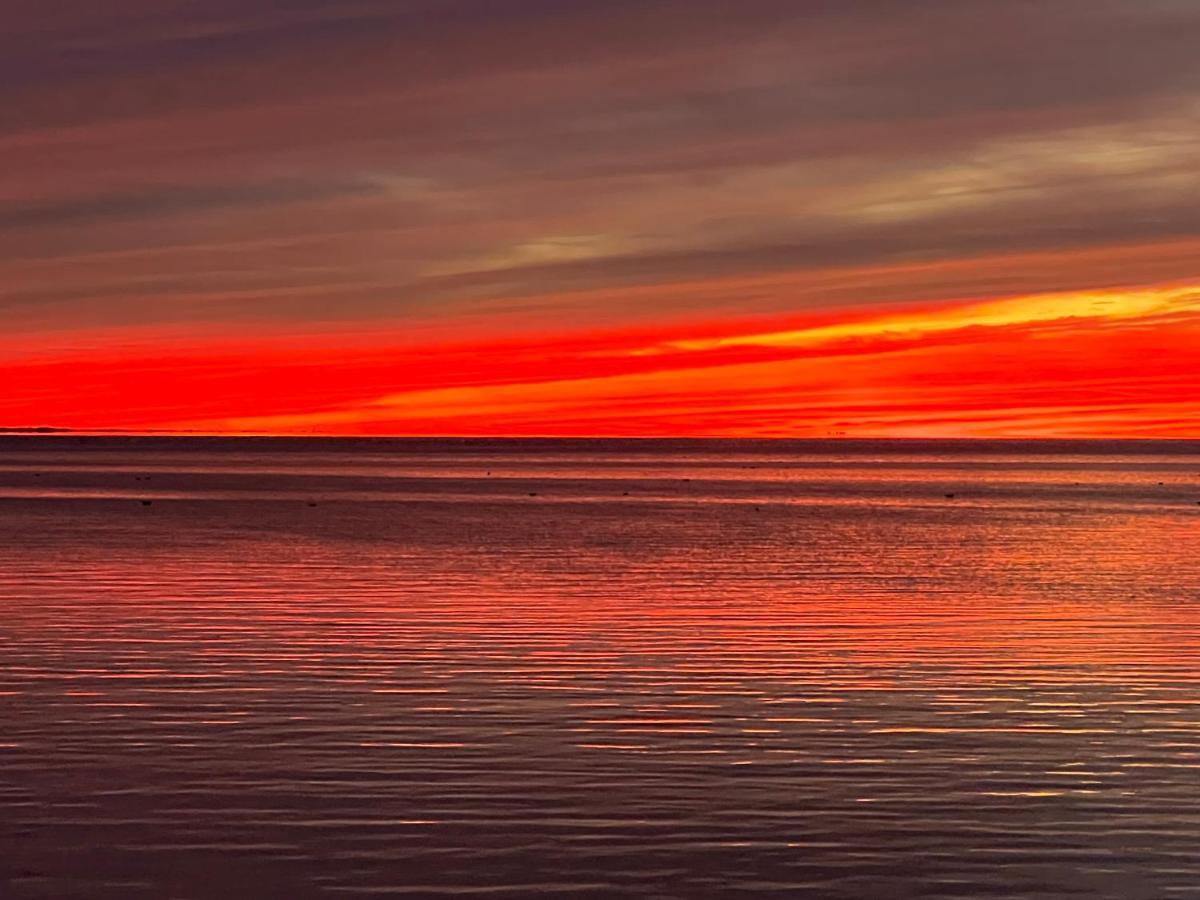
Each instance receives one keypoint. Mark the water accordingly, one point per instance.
(593, 669)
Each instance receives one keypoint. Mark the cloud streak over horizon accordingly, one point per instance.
(380, 194)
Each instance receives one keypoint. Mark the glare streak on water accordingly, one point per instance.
(728, 670)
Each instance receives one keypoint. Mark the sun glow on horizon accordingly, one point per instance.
(1080, 363)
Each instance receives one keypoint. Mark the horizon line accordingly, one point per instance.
(55, 431)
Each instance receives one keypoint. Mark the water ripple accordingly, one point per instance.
(684, 675)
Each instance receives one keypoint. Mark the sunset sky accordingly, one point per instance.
(567, 217)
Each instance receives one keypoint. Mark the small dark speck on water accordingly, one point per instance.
(949, 496)
(533, 493)
(146, 502)
(312, 504)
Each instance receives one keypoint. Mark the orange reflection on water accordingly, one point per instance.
(730, 660)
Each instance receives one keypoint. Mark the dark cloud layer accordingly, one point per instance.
(192, 160)
(166, 201)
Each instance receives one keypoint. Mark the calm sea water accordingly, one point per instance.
(642, 669)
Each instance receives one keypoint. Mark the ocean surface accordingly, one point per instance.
(356, 668)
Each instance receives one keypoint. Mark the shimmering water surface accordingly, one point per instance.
(644, 669)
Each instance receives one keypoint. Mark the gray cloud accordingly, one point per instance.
(171, 201)
(403, 157)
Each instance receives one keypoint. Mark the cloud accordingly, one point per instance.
(169, 201)
(532, 167)
(1106, 363)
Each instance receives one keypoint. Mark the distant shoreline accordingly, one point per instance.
(19, 440)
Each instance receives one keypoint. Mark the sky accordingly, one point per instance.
(602, 217)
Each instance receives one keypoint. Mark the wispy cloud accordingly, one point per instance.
(532, 168)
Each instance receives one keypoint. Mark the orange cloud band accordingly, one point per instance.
(1079, 363)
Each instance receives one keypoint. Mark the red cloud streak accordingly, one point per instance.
(1112, 363)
